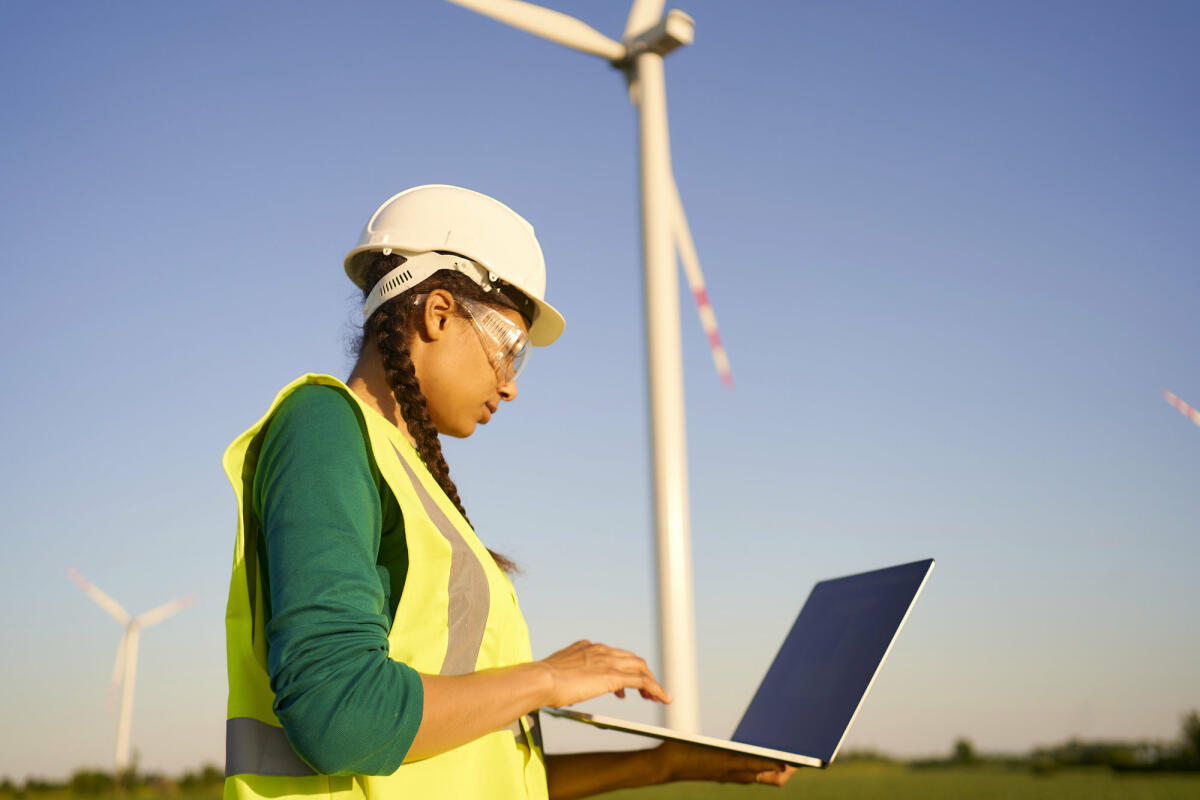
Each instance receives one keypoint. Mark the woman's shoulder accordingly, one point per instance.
(318, 398)
(316, 438)
(317, 410)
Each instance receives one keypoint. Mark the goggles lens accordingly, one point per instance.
(504, 342)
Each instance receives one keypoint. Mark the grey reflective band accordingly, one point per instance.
(518, 731)
(253, 747)
(470, 596)
(535, 728)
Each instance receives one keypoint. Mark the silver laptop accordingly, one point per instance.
(816, 684)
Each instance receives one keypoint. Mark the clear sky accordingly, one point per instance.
(951, 246)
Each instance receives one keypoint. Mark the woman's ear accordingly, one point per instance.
(439, 308)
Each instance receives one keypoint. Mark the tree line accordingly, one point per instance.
(87, 782)
(1182, 755)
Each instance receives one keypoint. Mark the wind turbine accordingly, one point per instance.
(125, 668)
(649, 35)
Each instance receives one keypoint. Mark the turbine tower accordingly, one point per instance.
(125, 668)
(649, 35)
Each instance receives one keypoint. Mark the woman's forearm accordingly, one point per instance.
(582, 774)
(460, 708)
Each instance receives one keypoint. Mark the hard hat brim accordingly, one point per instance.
(547, 325)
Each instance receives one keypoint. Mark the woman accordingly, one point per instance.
(375, 646)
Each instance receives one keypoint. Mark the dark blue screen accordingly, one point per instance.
(827, 661)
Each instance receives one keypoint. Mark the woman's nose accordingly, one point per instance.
(508, 391)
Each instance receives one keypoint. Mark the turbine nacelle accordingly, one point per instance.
(673, 31)
(646, 31)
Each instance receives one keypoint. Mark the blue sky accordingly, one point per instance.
(951, 246)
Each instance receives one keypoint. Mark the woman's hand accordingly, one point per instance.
(688, 762)
(584, 670)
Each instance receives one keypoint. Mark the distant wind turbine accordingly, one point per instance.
(125, 668)
(650, 35)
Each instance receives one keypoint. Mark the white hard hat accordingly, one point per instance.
(476, 227)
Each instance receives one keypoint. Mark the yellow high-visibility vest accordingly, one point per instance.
(458, 613)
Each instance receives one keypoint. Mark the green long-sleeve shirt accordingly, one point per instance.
(333, 559)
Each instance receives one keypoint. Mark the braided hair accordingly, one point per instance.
(391, 328)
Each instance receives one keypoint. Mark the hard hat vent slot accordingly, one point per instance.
(397, 281)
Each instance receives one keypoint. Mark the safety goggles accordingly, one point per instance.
(505, 343)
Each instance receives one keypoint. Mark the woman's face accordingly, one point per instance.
(458, 380)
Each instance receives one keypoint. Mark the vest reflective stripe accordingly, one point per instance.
(256, 747)
(469, 594)
(457, 613)
(532, 723)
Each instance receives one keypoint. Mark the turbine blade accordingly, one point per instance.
(118, 671)
(99, 597)
(549, 24)
(695, 279)
(642, 14)
(157, 615)
(1182, 407)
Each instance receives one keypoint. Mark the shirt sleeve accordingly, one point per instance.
(345, 706)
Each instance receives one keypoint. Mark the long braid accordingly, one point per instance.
(390, 327)
(391, 337)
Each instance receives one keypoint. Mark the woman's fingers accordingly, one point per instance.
(644, 682)
(655, 691)
(626, 654)
(585, 669)
(637, 666)
(775, 777)
(751, 765)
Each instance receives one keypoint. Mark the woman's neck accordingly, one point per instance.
(369, 383)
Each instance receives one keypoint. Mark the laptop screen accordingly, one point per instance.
(825, 666)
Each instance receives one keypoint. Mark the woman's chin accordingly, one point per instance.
(458, 431)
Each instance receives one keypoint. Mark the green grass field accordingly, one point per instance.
(892, 782)
(867, 781)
